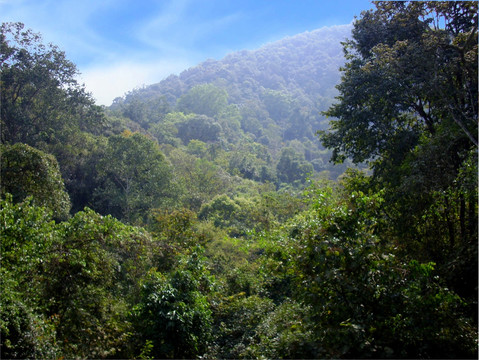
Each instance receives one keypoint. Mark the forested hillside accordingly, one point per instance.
(271, 98)
(305, 66)
(200, 217)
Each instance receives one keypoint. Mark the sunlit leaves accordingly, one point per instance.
(134, 177)
(173, 313)
(40, 97)
(26, 171)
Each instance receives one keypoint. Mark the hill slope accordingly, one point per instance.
(305, 65)
(272, 96)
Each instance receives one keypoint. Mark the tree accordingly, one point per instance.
(199, 127)
(204, 99)
(406, 78)
(278, 104)
(143, 112)
(230, 121)
(246, 163)
(40, 97)
(87, 281)
(408, 106)
(26, 171)
(222, 210)
(173, 315)
(44, 106)
(237, 320)
(366, 299)
(67, 287)
(134, 176)
(292, 166)
(198, 180)
(27, 234)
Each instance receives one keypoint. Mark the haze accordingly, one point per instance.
(119, 45)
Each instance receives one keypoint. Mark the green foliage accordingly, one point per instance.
(380, 266)
(222, 210)
(406, 104)
(68, 286)
(205, 99)
(91, 312)
(278, 105)
(271, 96)
(178, 232)
(252, 161)
(165, 133)
(25, 334)
(78, 159)
(396, 86)
(198, 148)
(43, 105)
(134, 177)
(230, 121)
(144, 113)
(237, 318)
(173, 314)
(27, 233)
(241, 215)
(26, 171)
(198, 127)
(40, 97)
(224, 255)
(198, 180)
(285, 333)
(366, 301)
(292, 166)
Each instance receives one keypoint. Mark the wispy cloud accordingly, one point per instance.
(64, 23)
(121, 44)
(109, 67)
(181, 27)
(109, 81)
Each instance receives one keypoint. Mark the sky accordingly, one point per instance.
(119, 45)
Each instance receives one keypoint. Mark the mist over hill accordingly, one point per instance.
(305, 66)
(272, 96)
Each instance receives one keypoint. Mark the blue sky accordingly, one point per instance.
(118, 45)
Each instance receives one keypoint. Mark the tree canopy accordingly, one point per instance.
(134, 177)
(408, 106)
(40, 96)
(26, 171)
(411, 74)
(199, 225)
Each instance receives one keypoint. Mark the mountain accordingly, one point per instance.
(305, 66)
(272, 96)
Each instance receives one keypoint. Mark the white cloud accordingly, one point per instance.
(107, 82)
(154, 30)
(183, 28)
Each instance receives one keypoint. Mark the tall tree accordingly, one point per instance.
(408, 105)
(292, 166)
(134, 177)
(40, 97)
(406, 77)
(205, 99)
(198, 127)
(26, 171)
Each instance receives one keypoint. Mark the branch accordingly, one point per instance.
(463, 127)
(429, 123)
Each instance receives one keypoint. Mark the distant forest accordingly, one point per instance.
(271, 98)
(314, 198)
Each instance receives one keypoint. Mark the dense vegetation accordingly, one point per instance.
(198, 218)
(263, 107)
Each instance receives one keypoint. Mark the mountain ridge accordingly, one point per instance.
(325, 41)
(272, 96)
